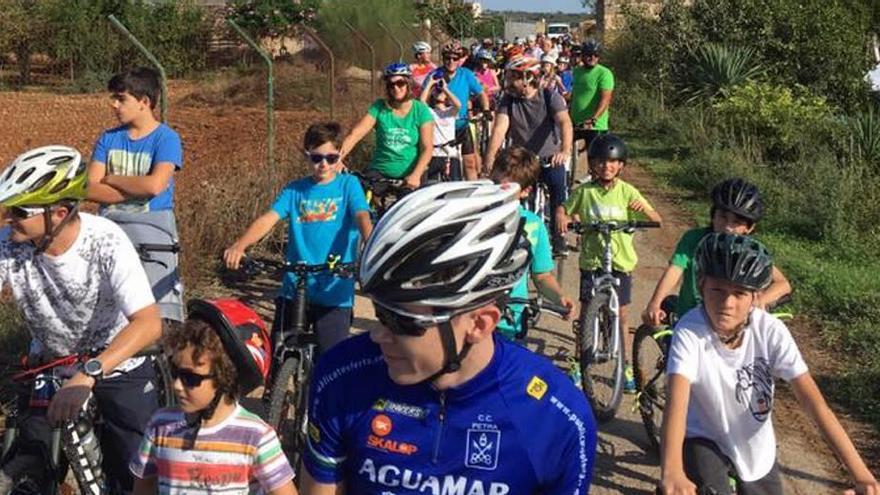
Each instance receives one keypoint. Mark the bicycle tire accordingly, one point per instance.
(286, 408)
(164, 382)
(593, 378)
(25, 474)
(649, 368)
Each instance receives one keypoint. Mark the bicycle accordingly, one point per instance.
(381, 192)
(532, 310)
(294, 353)
(650, 352)
(598, 335)
(29, 470)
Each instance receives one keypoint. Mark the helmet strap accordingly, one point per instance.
(50, 234)
(195, 420)
(451, 357)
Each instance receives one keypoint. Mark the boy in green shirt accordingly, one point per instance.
(736, 209)
(608, 197)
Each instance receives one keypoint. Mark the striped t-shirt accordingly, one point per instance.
(240, 455)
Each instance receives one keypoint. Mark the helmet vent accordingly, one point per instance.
(35, 155)
(60, 186)
(42, 181)
(25, 175)
(58, 160)
(8, 174)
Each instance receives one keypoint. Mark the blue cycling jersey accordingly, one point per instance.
(519, 426)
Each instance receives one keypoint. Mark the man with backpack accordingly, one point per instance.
(536, 119)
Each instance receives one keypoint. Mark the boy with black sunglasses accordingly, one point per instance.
(326, 211)
(210, 443)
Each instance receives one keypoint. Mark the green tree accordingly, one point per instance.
(22, 29)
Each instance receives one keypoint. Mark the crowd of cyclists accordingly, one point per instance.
(437, 398)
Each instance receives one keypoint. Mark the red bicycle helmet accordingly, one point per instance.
(242, 333)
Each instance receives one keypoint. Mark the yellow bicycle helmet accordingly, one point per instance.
(44, 176)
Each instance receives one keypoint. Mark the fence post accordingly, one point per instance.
(399, 44)
(270, 99)
(331, 75)
(369, 46)
(163, 101)
(412, 31)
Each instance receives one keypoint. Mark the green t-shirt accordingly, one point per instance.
(688, 294)
(542, 262)
(591, 201)
(587, 85)
(397, 138)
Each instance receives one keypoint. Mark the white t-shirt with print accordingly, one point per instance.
(732, 390)
(444, 132)
(80, 300)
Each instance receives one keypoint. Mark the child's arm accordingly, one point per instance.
(286, 489)
(645, 209)
(426, 91)
(364, 224)
(814, 404)
(147, 486)
(548, 285)
(562, 219)
(257, 230)
(99, 192)
(142, 186)
(360, 130)
(653, 315)
(453, 100)
(672, 476)
(779, 288)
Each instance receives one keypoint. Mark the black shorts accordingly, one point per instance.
(708, 467)
(588, 135)
(465, 138)
(442, 169)
(624, 289)
(331, 324)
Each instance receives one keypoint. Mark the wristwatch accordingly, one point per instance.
(94, 369)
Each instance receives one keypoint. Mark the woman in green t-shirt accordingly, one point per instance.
(404, 129)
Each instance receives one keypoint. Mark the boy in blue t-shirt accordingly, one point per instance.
(516, 164)
(131, 175)
(325, 212)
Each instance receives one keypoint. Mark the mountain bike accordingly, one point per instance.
(533, 308)
(598, 335)
(381, 192)
(27, 468)
(650, 352)
(294, 352)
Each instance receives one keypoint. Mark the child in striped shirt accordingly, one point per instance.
(210, 443)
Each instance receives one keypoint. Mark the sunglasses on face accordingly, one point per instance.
(400, 83)
(189, 379)
(317, 158)
(399, 324)
(24, 212)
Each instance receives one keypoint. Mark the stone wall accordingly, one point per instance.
(609, 13)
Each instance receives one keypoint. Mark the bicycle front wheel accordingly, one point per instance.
(649, 368)
(287, 407)
(601, 366)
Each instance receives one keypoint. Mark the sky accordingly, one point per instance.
(534, 5)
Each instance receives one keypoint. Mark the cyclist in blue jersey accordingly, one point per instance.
(433, 400)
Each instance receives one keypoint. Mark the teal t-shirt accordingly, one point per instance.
(397, 138)
(586, 93)
(688, 294)
(542, 262)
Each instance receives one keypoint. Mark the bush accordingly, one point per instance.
(777, 117)
(715, 69)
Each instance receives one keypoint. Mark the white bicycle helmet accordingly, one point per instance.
(421, 47)
(43, 177)
(448, 248)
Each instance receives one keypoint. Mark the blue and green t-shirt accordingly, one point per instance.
(542, 262)
(321, 219)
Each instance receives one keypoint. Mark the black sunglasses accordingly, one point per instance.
(23, 212)
(400, 83)
(399, 324)
(317, 158)
(189, 379)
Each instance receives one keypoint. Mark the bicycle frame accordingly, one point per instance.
(607, 282)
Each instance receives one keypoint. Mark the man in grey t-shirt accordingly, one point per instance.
(537, 120)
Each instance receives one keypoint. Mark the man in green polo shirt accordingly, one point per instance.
(592, 90)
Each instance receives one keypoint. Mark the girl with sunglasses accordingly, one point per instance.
(404, 129)
(210, 442)
(325, 212)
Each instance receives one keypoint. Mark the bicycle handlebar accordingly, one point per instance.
(611, 225)
(543, 305)
(370, 181)
(254, 266)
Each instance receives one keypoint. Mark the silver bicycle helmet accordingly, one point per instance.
(421, 47)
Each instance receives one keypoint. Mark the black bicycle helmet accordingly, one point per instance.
(607, 147)
(739, 259)
(591, 47)
(738, 196)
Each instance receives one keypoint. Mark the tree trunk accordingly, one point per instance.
(23, 54)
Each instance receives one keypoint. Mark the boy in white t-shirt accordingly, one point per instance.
(445, 161)
(724, 357)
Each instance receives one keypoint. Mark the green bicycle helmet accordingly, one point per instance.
(739, 259)
(44, 176)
